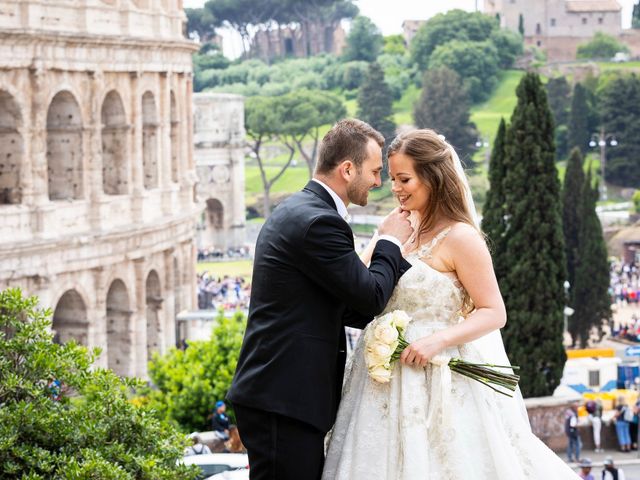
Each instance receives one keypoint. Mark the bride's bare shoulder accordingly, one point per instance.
(465, 238)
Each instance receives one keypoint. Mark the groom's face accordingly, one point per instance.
(367, 176)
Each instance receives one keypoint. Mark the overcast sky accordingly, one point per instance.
(389, 14)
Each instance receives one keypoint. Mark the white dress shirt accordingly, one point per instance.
(342, 211)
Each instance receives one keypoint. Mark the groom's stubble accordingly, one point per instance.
(358, 190)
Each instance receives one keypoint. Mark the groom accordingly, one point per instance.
(308, 283)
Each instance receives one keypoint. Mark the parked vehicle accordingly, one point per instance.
(231, 475)
(215, 463)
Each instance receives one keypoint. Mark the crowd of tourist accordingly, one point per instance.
(212, 254)
(625, 292)
(228, 293)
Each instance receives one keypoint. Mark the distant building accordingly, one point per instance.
(558, 26)
(410, 28)
(219, 140)
(316, 38)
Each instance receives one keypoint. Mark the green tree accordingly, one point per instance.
(202, 22)
(636, 201)
(619, 100)
(532, 284)
(572, 205)
(493, 212)
(521, 25)
(188, 382)
(261, 121)
(394, 45)
(601, 46)
(87, 427)
(444, 106)
(579, 119)
(591, 299)
(559, 95)
(375, 103)
(445, 27)
(302, 113)
(475, 62)
(364, 41)
(509, 46)
(635, 16)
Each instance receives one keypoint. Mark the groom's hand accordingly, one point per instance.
(397, 225)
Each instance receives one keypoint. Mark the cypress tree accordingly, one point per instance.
(375, 102)
(444, 106)
(572, 212)
(532, 284)
(493, 220)
(559, 96)
(521, 25)
(590, 293)
(579, 119)
(635, 16)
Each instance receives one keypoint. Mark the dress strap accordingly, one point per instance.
(426, 250)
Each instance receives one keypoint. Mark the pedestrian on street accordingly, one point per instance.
(610, 472)
(594, 408)
(571, 430)
(585, 469)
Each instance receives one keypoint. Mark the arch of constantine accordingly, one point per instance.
(219, 139)
(97, 180)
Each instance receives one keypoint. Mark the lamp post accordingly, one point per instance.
(484, 143)
(600, 140)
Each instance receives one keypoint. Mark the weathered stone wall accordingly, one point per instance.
(97, 178)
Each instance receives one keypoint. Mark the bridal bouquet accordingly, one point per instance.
(384, 343)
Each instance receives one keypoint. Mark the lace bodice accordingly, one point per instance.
(427, 295)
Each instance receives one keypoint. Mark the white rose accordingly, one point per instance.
(381, 351)
(401, 319)
(377, 354)
(380, 374)
(387, 333)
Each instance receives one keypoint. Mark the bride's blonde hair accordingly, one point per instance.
(435, 167)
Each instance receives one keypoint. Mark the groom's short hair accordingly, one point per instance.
(347, 140)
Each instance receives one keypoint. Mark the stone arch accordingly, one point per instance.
(70, 320)
(64, 147)
(115, 165)
(212, 224)
(11, 150)
(149, 141)
(175, 138)
(214, 214)
(119, 342)
(153, 293)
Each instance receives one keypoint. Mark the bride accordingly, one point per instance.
(429, 423)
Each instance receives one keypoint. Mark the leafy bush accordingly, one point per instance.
(636, 201)
(445, 27)
(188, 383)
(601, 46)
(475, 62)
(87, 427)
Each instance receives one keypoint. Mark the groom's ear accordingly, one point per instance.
(347, 170)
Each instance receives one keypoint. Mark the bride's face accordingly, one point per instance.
(405, 183)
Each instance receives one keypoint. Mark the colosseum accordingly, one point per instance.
(97, 179)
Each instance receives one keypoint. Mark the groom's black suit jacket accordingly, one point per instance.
(308, 282)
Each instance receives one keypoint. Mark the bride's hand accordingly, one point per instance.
(420, 352)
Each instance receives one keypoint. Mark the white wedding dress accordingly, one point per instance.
(431, 423)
